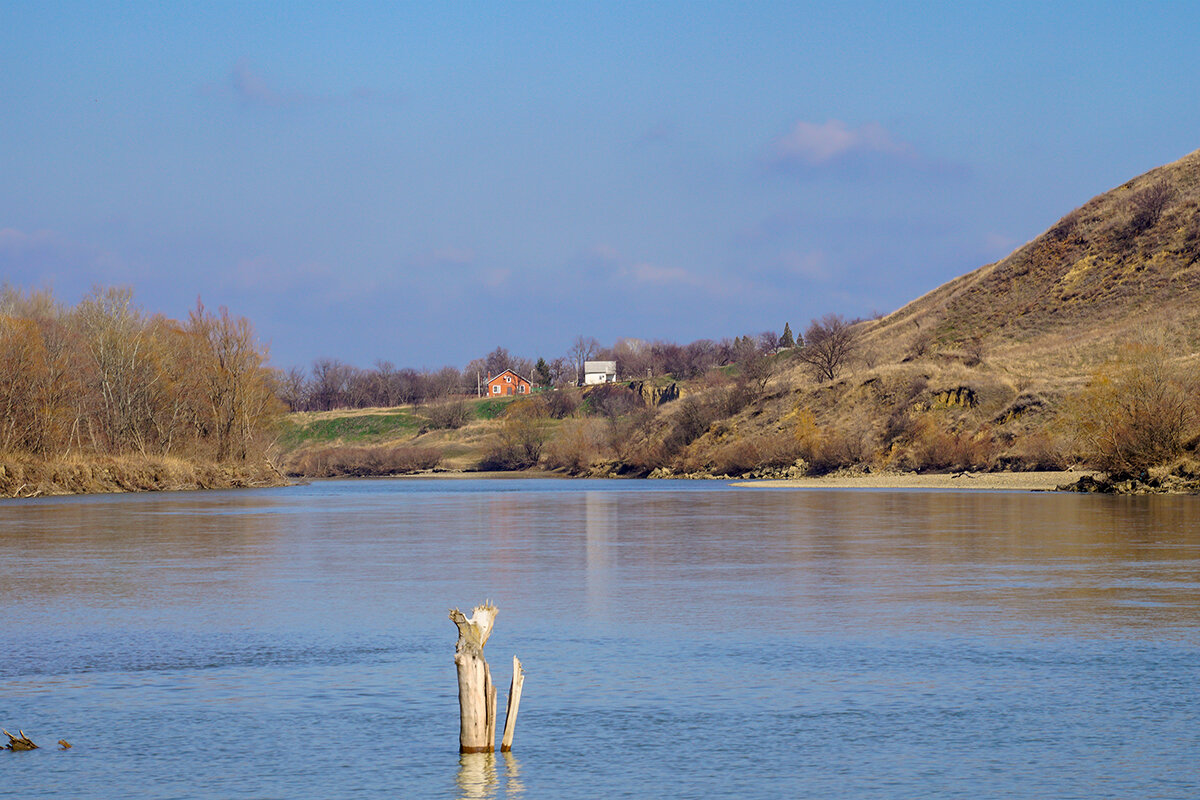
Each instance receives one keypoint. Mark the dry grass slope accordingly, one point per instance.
(1124, 261)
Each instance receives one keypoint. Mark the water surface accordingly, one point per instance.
(681, 639)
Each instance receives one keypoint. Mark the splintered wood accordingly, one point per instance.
(20, 742)
(476, 692)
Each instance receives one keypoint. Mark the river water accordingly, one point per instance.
(681, 639)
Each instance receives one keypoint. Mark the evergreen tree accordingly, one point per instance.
(541, 373)
(786, 340)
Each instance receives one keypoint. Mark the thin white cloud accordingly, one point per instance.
(648, 274)
(814, 145)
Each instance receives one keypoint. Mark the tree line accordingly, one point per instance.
(825, 347)
(103, 377)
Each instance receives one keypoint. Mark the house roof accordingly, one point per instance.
(599, 366)
(508, 372)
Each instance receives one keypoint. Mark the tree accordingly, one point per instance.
(582, 350)
(330, 380)
(497, 361)
(829, 343)
(786, 341)
(234, 383)
(541, 373)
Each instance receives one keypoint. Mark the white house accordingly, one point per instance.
(599, 372)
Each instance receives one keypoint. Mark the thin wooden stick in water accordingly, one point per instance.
(514, 700)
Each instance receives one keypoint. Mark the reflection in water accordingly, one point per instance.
(600, 508)
(476, 778)
(514, 786)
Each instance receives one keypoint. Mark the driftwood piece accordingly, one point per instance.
(17, 743)
(514, 700)
(63, 744)
(476, 693)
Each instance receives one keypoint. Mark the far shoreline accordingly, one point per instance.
(957, 481)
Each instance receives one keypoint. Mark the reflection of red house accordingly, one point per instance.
(506, 383)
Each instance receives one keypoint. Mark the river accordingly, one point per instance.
(681, 639)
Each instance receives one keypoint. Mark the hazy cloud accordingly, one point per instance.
(248, 86)
(999, 244)
(649, 274)
(659, 134)
(47, 255)
(453, 256)
(251, 88)
(813, 265)
(264, 273)
(813, 145)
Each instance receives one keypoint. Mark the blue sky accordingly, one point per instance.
(424, 182)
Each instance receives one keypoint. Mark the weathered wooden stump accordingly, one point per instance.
(476, 692)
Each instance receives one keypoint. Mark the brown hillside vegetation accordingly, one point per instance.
(1124, 262)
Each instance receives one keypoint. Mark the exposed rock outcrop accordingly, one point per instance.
(655, 395)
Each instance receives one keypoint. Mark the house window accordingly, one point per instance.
(495, 390)
(508, 378)
(521, 389)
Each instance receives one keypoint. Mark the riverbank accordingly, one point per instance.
(988, 481)
(23, 476)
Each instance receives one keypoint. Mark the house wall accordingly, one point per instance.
(508, 384)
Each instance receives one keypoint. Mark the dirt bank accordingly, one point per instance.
(989, 481)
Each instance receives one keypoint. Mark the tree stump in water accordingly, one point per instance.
(476, 692)
(17, 743)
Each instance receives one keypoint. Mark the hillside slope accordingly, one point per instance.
(1125, 261)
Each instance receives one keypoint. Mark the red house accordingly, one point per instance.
(507, 383)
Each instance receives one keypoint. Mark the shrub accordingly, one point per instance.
(332, 462)
(520, 439)
(1136, 413)
(451, 414)
(561, 403)
(575, 448)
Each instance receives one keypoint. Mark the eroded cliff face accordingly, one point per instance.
(653, 395)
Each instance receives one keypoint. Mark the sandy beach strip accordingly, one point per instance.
(988, 481)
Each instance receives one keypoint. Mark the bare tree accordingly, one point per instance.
(497, 361)
(293, 388)
(582, 349)
(829, 343)
(329, 384)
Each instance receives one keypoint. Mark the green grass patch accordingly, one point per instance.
(490, 409)
(351, 429)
